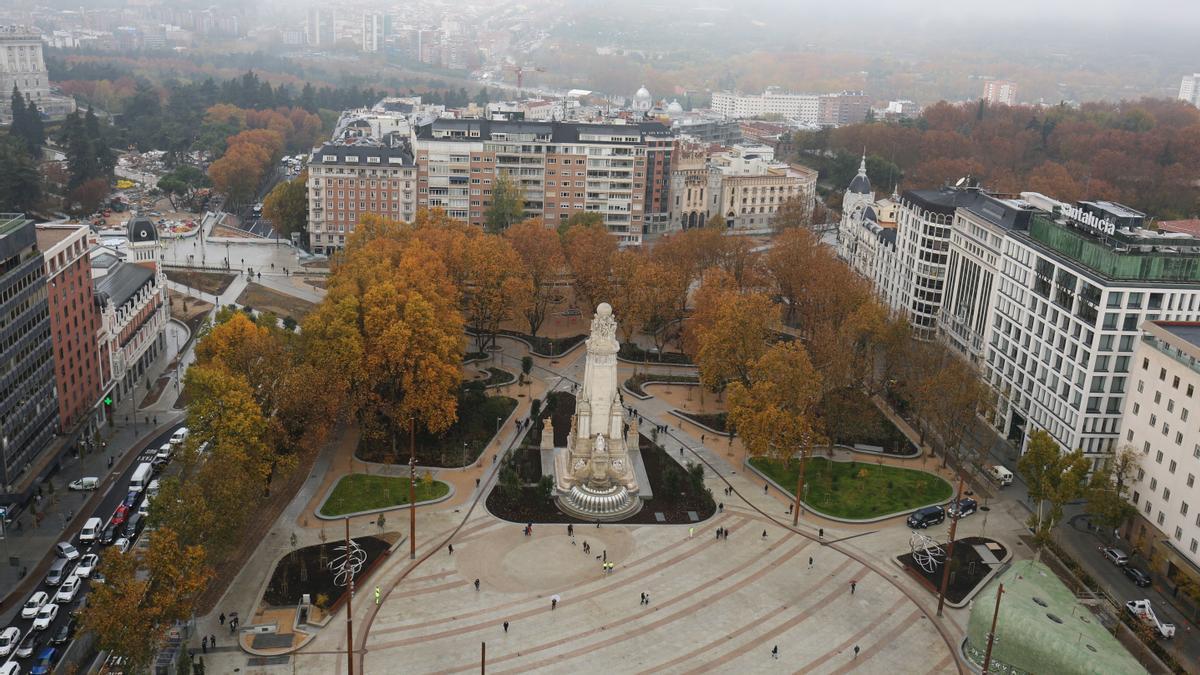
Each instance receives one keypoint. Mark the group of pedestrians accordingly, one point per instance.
(722, 533)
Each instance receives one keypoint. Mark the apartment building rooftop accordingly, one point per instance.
(367, 152)
(1188, 331)
(545, 132)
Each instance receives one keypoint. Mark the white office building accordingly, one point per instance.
(1162, 423)
(1189, 89)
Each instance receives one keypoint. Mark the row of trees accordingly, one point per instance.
(257, 140)
(259, 401)
(1144, 153)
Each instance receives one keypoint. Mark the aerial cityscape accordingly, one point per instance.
(383, 337)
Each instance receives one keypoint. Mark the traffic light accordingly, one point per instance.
(108, 404)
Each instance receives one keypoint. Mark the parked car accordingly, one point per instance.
(9, 639)
(45, 662)
(10, 668)
(123, 544)
(28, 645)
(1001, 475)
(1116, 555)
(45, 616)
(33, 604)
(965, 507)
(66, 592)
(923, 518)
(1136, 575)
(85, 483)
(87, 564)
(132, 499)
(66, 551)
(64, 632)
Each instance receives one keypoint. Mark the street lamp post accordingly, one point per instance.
(412, 489)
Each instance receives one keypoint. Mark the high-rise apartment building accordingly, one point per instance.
(1000, 91)
(28, 408)
(561, 167)
(318, 27)
(74, 322)
(1189, 89)
(374, 31)
(348, 180)
(1161, 425)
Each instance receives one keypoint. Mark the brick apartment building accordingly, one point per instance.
(74, 320)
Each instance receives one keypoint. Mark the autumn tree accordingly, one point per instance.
(626, 294)
(956, 396)
(589, 250)
(390, 327)
(706, 303)
(540, 249)
(814, 286)
(240, 171)
(774, 410)
(662, 302)
(286, 205)
(496, 289)
(1107, 491)
(741, 330)
(1053, 478)
(507, 205)
(794, 212)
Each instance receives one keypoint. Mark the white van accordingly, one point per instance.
(179, 436)
(1001, 475)
(141, 477)
(91, 530)
(152, 489)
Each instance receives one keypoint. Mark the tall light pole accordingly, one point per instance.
(349, 610)
(412, 489)
(987, 657)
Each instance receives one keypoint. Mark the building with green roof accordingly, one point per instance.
(1042, 628)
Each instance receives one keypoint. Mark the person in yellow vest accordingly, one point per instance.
(377, 595)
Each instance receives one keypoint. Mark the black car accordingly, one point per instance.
(930, 515)
(965, 507)
(64, 633)
(108, 534)
(1138, 577)
(132, 500)
(133, 526)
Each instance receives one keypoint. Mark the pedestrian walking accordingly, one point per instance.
(553, 602)
(450, 548)
(204, 645)
(820, 533)
(378, 596)
(718, 533)
(789, 511)
(856, 651)
(476, 482)
(643, 599)
(691, 532)
(853, 585)
(570, 530)
(765, 487)
(505, 627)
(221, 619)
(477, 584)
(212, 641)
(775, 652)
(721, 507)
(810, 562)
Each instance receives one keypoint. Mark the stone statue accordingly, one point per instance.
(594, 477)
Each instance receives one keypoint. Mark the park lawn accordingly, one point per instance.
(257, 296)
(213, 283)
(363, 492)
(858, 489)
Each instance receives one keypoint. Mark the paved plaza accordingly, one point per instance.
(714, 605)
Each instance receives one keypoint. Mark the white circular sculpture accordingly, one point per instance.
(347, 562)
(926, 552)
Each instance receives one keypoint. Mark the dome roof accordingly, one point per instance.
(861, 184)
(869, 214)
(642, 93)
(141, 229)
(674, 106)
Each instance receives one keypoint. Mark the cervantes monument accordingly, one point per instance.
(595, 476)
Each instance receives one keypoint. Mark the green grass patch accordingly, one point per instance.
(362, 492)
(857, 489)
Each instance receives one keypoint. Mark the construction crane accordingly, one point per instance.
(520, 71)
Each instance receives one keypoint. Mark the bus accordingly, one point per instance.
(142, 476)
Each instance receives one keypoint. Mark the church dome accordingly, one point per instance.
(642, 94)
(141, 229)
(861, 184)
(674, 107)
(869, 214)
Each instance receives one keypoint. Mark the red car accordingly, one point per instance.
(120, 515)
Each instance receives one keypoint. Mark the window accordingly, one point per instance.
(1153, 484)
(1178, 533)
(1160, 518)
(1192, 548)
(1171, 467)
(1166, 494)
(1145, 363)
(1183, 509)
(1136, 408)
(1158, 457)
(1191, 480)
(1175, 382)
